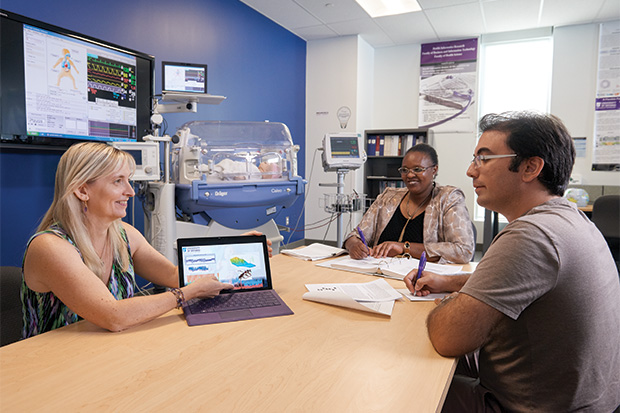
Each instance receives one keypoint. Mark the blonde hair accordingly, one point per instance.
(80, 164)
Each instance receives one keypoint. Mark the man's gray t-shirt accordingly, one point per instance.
(552, 275)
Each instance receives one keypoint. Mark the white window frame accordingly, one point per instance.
(512, 67)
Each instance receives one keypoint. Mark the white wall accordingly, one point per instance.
(397, 81)
(339, 73)
(575, 60)
(395, 104)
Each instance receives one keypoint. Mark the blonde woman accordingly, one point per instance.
(81, 261)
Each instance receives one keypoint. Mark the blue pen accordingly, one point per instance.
(361, 234)
(421, 266)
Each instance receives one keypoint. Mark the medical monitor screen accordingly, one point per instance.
(184, 78)
(65, 87)
(344, 147)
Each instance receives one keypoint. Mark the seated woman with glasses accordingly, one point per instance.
(423, 216)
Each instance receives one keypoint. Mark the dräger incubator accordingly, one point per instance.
(231, 177)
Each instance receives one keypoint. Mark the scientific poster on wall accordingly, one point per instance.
(447, 85)
(606, 151)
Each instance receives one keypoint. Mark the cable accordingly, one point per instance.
(329, 225)
(303, 206)
(319, 224)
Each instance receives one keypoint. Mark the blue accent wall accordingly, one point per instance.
(259, 66)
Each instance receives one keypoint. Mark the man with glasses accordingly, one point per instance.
(543, 305)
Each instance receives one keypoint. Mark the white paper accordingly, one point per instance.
(340, 299)
(431, 297)
(314, 252)
(377, 291)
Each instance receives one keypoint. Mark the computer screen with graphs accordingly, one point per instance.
(64, 86)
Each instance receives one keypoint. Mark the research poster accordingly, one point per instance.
(448, 85)
(606, 151)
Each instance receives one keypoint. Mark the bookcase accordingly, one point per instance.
(385, 149)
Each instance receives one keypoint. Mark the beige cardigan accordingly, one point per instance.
(448, 232)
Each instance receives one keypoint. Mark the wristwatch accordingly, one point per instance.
(406, 249)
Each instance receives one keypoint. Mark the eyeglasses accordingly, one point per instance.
(478, 159)
(417, 170)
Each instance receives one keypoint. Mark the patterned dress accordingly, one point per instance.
(44, 311)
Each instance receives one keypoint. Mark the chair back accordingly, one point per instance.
(10, 305)
(606, 217)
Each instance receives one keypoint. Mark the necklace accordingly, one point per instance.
(103, 255)
(419, 206)
(400, 238)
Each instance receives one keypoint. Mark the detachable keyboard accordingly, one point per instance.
(234, 301)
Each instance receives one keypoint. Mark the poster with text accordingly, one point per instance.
(447, 85)
(606, 151)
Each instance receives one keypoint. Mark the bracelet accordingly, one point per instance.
(178, 293)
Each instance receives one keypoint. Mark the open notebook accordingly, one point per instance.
(239, 260)
(396, 268)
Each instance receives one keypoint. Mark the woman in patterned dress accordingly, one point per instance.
(81, 261)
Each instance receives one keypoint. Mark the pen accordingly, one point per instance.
(361, 234)
(421, 266)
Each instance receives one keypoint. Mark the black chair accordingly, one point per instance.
(473, 258)
(10, 305)
(606, 217)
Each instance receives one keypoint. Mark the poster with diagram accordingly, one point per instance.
(448, 85)
(606, 151)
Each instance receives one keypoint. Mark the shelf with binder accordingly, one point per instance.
(385, 149)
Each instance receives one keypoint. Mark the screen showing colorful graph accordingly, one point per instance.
(239, 264)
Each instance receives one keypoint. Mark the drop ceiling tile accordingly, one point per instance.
(454, 22)
(286, 13)
(407, 28)
(510, 15)
(563, 12)
(315, 32)
(609, 11)
(331, 11)
(436, 4)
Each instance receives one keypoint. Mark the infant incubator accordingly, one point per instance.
(236, 175)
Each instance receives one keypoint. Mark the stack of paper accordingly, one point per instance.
(396, 268)
(376, 296)
(315, 252)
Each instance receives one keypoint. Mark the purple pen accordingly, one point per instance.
(421, 266)
(361, 234)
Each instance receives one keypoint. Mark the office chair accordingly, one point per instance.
(10, 305)
(473, 258)
(606, 217)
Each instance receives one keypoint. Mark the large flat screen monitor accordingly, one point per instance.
(59, 87)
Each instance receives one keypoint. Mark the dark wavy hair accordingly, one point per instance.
(537, 134)
(426, 149)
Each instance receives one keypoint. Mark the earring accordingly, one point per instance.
(85, 207)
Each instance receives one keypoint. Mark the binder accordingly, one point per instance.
(371, 146)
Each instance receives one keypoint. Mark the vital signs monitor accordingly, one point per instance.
(342, 151)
